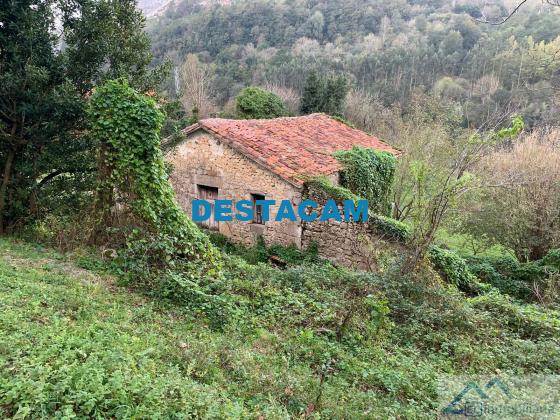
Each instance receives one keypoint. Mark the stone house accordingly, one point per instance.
(261, 159)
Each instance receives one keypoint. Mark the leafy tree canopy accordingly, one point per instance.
(324, 94)
(255, 102)
(52, 53)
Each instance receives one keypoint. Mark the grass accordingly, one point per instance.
(465, 245)
(71, 343)
(307, 341)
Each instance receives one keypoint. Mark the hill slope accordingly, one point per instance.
(306, 340)
(389, 50)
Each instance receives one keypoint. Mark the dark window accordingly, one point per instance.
(257, 209)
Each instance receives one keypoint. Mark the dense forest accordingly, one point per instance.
(388, 50)
(115, 304)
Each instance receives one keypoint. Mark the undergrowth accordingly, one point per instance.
(308, 339)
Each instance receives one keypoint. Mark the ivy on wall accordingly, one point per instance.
(368, 173)
(160, 236)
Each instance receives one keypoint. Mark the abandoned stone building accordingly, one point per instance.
(265, 159)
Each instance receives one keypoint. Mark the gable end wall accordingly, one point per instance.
(203, 159)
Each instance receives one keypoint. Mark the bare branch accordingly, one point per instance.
(505, 19)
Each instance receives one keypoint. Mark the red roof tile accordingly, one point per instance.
(293, 146)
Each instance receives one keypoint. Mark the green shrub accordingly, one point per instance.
(551, 259)
(321, 188)
(368, 173)
(390, 228)
(257, 103)
(528, 321)
(260, 253)
(454, 270)
(512, 277)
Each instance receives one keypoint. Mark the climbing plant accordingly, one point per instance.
(368, 173)
(132, 177)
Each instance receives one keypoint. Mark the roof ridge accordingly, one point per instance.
(291, 117)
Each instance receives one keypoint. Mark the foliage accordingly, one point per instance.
(46, 161)
(322, 188)
(518, 208)
(519, 280)
(261, 253)
(257, 103)
(528, 320)
(324, 94)
(391, 228)
(310, 337)
(368, 173)
(389, 50)
(127, 125)
(323, 185)
(455, 270)
(77, 348)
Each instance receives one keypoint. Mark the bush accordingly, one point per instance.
(321, 188)
(368, 173)
(260, 253)
(528, 321)
(519, 280)
(454, 270)
(257, 103)
(390, 228)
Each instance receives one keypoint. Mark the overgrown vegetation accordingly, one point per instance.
(369, 173)
(204, 328)
(47, 164)
(164, 249)
(71, 344)
(257, 103)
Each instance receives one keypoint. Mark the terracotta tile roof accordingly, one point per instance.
(292, 146)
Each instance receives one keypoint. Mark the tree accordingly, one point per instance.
(196, 86)
(255, 102)
(519, 206)
(312, 93)
(324, 94)
(37, 106)
(52, 53)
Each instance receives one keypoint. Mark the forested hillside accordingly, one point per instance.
(387, 49)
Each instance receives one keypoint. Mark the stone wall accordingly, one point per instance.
(350, 244)
(202, 159)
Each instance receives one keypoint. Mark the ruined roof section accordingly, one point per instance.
(291, 147)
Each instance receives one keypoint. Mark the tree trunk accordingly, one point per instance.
(6, 177)
(103, 199)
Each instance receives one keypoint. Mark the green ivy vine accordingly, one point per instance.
(368, 173)
(160, 236)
